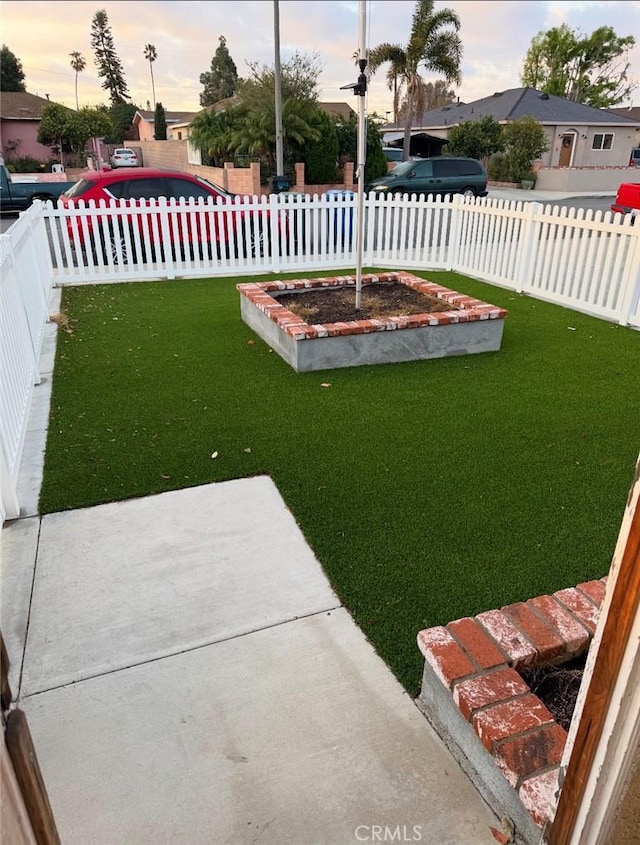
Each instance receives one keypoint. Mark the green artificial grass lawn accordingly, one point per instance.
(428, 490)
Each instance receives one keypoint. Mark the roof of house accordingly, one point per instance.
(20, 105)
(521, 102)
(170, 116)
(342, 110)
(627, 111)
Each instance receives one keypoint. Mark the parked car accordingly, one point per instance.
(124, 157)
(634, 158)
(146, 183)
(435, 175)
(17, 196)
(393, 154)
(628, 199)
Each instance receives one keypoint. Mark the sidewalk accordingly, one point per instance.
(544, 196)
(189, 676)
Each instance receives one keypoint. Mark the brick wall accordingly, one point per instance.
(172, 155)
(476, 662)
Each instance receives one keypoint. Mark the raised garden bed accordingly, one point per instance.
(475, 693)
(464, 326)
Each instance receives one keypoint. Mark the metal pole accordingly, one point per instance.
(362, 150)
(279, 142)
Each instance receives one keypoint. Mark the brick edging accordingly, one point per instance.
(464, 309)
(476, 659)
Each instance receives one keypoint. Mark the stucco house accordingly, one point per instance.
(144, 122)
(578, 135)
(20, 115)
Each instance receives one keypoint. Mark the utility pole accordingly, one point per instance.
(278, 83)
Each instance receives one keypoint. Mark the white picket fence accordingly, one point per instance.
(26, 279)
(584, 261)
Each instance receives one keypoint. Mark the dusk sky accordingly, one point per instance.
(495, 36)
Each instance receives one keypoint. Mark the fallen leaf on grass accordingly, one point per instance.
(325, 384)
(247, 450)
(250, 342)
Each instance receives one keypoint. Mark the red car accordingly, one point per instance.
(146, 183)
(628, 199)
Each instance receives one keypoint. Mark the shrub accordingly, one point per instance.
(26, 164)
(498, 168)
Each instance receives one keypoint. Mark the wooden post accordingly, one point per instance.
(29, 778)
(620, 616)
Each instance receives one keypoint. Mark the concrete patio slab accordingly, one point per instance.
(18, 549)
(294, 734)
(133, 581)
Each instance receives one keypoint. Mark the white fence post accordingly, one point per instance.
(453, 245)
(630, 304)
(525, 267)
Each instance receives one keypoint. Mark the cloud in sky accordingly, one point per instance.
(495, 36)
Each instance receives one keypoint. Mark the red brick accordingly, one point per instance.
(538, 794)
(548, 644)
(530, 753)
(572, 632)
(510, 718)
(578, 603)
(595, 590)
(444, 655)
(519, 651)
(500, 685)
(475, 641)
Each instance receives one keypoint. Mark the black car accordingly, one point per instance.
(436, 175)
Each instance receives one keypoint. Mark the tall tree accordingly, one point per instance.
(151, 54)
(160, 123)
(109, 66)
(250, 127)
(590, 69)
(222, 80)
(435, 95)
(434, 43)
(78, 63)
(11, 73)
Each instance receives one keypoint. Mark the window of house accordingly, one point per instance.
(602, 141)
(179, 136)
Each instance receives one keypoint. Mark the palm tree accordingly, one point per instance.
(151, 54)
(78, 63)
(434, 42)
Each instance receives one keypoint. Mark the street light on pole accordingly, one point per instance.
(360, 90)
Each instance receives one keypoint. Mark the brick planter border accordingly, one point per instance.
(468, 326)
(501, 733)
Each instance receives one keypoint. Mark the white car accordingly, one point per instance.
(124, 157)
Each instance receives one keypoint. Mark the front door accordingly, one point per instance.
(566, 148)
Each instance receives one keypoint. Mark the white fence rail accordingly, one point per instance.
(26, 279)
(587, 262)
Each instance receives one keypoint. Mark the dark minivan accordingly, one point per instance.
(436, 175)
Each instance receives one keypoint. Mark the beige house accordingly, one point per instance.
(143, 122)
(579, 136)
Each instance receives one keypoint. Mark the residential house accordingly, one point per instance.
(144, 122)
(578, 135)
(338, 110)
(20, 114)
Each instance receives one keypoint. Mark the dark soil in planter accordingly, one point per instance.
(378, 301)
(557, 687)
